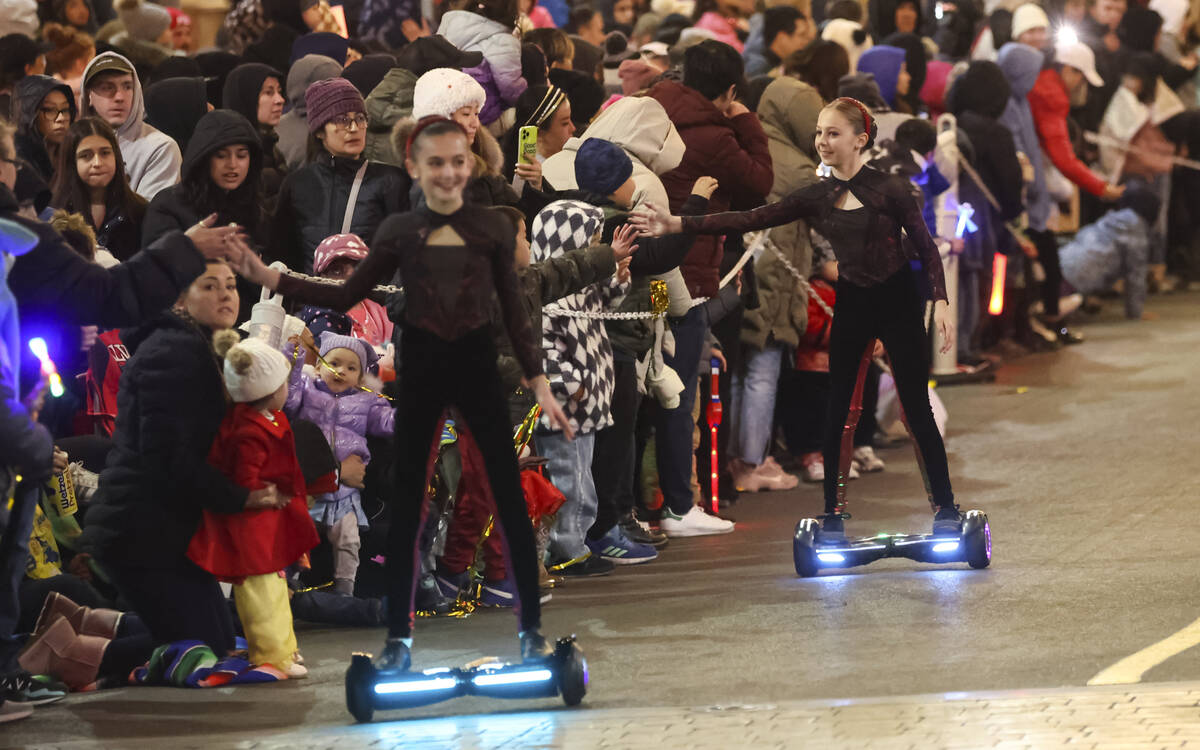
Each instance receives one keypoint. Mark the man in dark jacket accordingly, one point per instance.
(724, 140)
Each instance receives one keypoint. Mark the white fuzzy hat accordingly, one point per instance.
(1029, 16)
(254, 369)
(443, 91)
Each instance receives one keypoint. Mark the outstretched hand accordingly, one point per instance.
(213, 242)
(653, 221)
(623, 242)
(541, 389)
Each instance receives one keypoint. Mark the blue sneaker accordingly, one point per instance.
(618, 549)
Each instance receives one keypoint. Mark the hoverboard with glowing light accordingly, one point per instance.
(369, 688)
(973, 546)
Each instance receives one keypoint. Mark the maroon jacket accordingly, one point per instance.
(733, 150)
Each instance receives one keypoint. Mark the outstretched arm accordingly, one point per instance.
(803, 203)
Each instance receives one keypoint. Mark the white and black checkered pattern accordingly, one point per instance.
(577, 352)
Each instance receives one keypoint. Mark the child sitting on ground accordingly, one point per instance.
(336, 400)
(255, 449)
(1117, 246)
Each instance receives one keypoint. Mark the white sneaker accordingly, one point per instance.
(813, 468)
(694, 523)
(14, 711)
(866, 460)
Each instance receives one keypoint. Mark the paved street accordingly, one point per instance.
(1084, 461)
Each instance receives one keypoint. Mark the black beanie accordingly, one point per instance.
(1139, 28)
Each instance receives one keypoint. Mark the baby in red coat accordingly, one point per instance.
(255, 449)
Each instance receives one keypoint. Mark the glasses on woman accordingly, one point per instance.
(52, 114)
(343, 122)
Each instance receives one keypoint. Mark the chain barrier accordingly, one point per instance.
(384, 288)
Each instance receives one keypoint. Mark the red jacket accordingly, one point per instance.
(1051, 106)
(812, 355)
(253, 451)
(733, 150)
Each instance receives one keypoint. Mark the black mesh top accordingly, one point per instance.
(454, 268)
(880, 250)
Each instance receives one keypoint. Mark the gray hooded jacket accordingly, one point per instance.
(293, 126)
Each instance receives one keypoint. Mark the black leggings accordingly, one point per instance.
(892, 312)
(436, 374)
(1047, 248)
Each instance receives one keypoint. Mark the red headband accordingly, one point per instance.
(867, 121)
(423, 123)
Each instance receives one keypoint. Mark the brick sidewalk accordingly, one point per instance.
(1163, 715)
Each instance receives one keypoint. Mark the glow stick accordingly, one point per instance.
(999, 265)
(38, 347)
(714, 421)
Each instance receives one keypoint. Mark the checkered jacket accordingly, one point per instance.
(577, 354)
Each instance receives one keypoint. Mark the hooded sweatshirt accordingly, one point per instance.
(152, 159)
(175, 105)
(977, 98)
(1117, 246)
(1021, 65)
(241, 94)
(883, 62)
(578, 355)
(293, 126)
(500, 73)
(640, 126)
(788, 111)
(27, 100)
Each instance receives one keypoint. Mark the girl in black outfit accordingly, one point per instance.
(456, 260)
(90, 180)
(861, 212)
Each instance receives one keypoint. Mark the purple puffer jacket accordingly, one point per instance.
(346, 419)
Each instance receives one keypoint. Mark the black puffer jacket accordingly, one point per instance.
(312, 205)
(158, 478)
(53, 282)
(27, 100)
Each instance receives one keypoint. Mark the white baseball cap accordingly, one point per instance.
(1079, 56)
(1026, 17)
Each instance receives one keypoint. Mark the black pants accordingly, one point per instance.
(803, 402)
(436, 374)
(893, 313)
(178, 601)
(1047, 247)
(613, 457)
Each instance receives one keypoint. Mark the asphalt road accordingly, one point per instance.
(1083, 460)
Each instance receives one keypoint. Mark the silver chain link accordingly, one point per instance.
(385, 288)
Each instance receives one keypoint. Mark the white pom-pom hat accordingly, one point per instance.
(444, 91)
(268, 370)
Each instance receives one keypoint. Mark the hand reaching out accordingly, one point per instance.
(541, 389)
(653, 221)
(623, 274)
(705, 186)
(623, 242)
(227, 242)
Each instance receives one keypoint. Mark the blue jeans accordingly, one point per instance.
(570, 467)
(752, 404)
(14, 550)
(673, 428)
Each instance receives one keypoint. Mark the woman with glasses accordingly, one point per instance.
(90, 180)
(44, 109)
(315, 200)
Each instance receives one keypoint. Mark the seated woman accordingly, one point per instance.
(220, 176)
(315, 200)
(44, 108)
(90, 180)
(158, 478)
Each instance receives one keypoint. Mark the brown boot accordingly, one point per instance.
(80, 665)
(85, 620)
(56, 638)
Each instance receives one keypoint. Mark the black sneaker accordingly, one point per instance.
(947, 521)
(534, 647)
(1069, 337)
(589, 567)
(833, 530)
(396, 655)
(24, 688)
(430, 598)
(640, 532)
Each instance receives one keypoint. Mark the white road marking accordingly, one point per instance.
(1130, 669)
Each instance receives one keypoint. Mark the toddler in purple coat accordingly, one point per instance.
(335, 401)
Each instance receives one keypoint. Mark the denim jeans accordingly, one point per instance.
(14, 549)
(570, 468)
(752, 404)
(673, 428)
